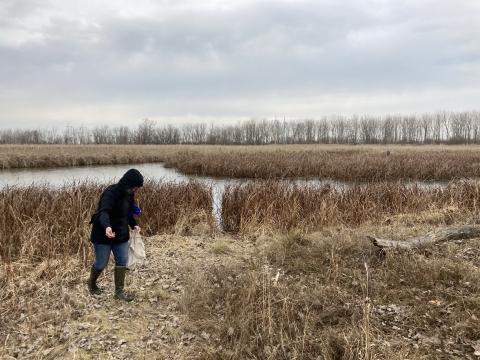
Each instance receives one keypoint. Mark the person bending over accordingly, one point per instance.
(110, 232)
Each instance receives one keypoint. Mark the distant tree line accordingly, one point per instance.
(428, 128)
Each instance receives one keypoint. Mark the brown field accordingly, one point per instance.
(337, 162)
(348, 163)
(293, 278)
(34, 156)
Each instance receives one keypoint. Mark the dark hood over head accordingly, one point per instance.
(132, 178)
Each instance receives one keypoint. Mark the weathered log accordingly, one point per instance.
(438, 235)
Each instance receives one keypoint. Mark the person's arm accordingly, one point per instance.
(131, 220)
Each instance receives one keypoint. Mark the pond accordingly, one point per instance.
(101, 173)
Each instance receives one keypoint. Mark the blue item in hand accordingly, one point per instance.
(135, 211)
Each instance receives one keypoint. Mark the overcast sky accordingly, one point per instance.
(115, 62)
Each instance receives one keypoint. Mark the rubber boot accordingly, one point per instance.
(92, 281)
(119, 283)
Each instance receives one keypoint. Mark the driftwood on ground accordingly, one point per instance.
(438, 235)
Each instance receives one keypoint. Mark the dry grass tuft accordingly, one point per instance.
(330, 295)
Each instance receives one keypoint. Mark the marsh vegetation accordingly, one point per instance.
(336, 162)
(291, 276)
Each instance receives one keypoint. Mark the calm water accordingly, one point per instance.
(102, 173)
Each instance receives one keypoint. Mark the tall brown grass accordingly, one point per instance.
(339, 162)
(311, 286)
(34, 156)
(348, 164)
(42, 222)
(300, 294)
(286, 205)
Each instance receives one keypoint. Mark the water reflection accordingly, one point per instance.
(100, 173)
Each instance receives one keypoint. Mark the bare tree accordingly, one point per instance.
(264, 131)
(121, 135)
(187, 131)
(226, 135)
(145, 133)
(250, 128)
(277, 132)
(426, 124)
(212, 135)
(409, 129)
(323, 130)
(101, 134)
(443, 118)
(369, 127)
(199, 133)
(339, 129)
(310, 131)
(468, 121)
(475, 126)
(353, 129)
(388, 130)
(298, 131)
(453, 127)
(172, 134)
(238, 134)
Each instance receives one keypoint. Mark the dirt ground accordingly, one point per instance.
(101, 327)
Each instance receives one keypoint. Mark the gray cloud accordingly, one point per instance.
(246, 59)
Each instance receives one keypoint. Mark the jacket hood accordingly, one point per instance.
(132, 178)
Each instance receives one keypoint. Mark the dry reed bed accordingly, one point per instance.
(284, 206)
(330, 295)
(299, 294)
(339, 162)
(43, 222)
(354, 164)
(27, 156)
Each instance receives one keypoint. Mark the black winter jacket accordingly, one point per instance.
(116, 203)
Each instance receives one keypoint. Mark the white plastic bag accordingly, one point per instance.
(136, 250)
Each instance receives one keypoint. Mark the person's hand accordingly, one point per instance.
(136, 227)
(110, 234)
